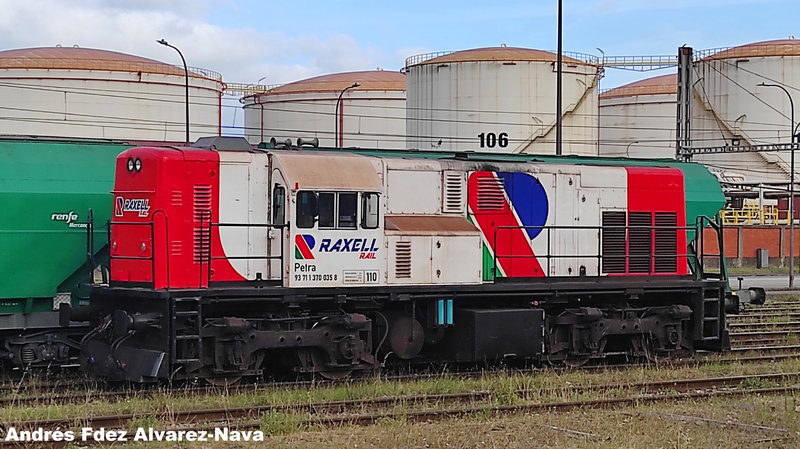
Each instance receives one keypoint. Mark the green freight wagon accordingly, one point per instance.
(47, 189)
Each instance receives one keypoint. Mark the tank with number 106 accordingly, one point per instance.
(501, 100)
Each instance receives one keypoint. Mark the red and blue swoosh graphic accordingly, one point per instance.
(509, 208)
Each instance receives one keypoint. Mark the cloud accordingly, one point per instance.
(132, 26)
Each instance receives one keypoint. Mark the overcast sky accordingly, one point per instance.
(283, 41)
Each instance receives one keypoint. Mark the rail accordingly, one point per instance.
(656, 263)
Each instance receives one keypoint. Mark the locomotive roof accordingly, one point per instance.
(312, 170)
(704, 196)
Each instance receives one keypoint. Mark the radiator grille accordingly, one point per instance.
(666, 242)
(202, 218)
(640, 241)
(402, 267)
(613, 242)
(490, 195)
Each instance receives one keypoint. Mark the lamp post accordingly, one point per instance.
(338, 138)
(186, 75)
(791, 182)
(628, 148)
(600, 69)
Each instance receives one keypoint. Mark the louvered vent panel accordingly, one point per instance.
(402, 267)
(613, 246)
(666, 242)
(640, 241)
(177, 198)
(453, 195)
(490, 195)
(202, 216)
(176, 248)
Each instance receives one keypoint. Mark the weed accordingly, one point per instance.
(755, 383)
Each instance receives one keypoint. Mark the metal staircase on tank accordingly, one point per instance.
(187, 342)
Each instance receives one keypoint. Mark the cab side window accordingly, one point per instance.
(332, 210)
(306, 209)
(278, 205)
(347, 210)
(369, 210)
(326, 201)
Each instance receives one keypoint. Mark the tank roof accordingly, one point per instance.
(780, 47)
(511, 54)
(657, 85)
(382, 80)
(75, 58)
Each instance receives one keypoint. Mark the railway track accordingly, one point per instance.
(415, 408)
(95, 392)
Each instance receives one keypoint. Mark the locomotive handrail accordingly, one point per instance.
(651, 256)
(267, 258)
(153, 246)
(717, 225)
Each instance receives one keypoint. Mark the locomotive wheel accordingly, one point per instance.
(576, 360)
(313, 360)
(223, 382)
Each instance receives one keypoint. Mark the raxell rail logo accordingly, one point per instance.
(139, 205)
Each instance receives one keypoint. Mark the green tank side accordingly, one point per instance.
(47, 188)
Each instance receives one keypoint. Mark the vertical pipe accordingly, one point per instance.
(450, 312)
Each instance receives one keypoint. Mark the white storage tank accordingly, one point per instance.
(370, 115)
(638, 119)
(501, 99)
(729, 107)
(91, 93)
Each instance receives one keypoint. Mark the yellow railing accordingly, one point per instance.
(753, 215)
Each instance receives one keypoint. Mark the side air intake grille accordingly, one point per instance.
(202, 218)
(640, 242)
(666, 242)
(490, 195)
(453, 195)
(613, 243)
(402, 267)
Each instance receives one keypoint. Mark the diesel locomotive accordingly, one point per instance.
(228, 261)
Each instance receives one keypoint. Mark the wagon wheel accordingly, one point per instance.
(313, 360)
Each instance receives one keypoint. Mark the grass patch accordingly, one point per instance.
(280, 423)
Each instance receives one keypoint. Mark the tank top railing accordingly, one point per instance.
(623, 259)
